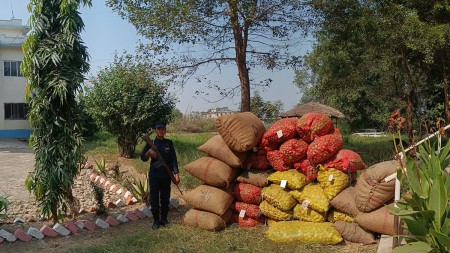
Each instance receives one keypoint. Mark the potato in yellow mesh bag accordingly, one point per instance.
(303, 232)
(270, 222)
(273, 212)
(295, 180)
(336, 215)
(312, 195)
(332, 181)
(279, 197)
(308, 214)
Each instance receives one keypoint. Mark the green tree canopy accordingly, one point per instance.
(54, 63)
(125, 100)
(246, 33)
(265, 110)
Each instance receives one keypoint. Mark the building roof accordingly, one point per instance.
(313, 107)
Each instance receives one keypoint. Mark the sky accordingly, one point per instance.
(106, 33)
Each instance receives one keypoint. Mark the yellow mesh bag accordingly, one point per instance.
(303, 232)
(295, 180)
(279, 197)
(332, 181)
(313, 194)
(336, 215)
(270, 222)
(273, 212)
(308, 214)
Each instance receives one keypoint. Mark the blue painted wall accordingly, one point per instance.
(17, 133)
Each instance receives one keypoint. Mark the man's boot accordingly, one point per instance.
(155, 220)
(164, 221)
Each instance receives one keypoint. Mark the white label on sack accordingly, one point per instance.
(280, 134)
(305, 204)
(330, 177)
(242, 214)
(390, 177)
(283, 183)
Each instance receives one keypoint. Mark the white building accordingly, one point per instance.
(13, 109)
(217, 112)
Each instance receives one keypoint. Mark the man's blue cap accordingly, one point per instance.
(160, 124)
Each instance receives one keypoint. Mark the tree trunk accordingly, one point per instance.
(444, 75)
(240, 46)
(126, 146)
(409, 101)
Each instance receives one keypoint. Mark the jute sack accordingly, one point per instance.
(217, 148)
(255, 177)
(241, 131)
(206, 220)
(212, 171)
(209, 198)
(345, 201)
(352, 232)
(380, 220)
(373, 188)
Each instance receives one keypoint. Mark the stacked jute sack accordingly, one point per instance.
(227, 153)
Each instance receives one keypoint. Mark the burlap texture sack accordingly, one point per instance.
(282, 130)
(241, 131)
(251, 210)
(206, 220)
(380, 220)
(212, 171)
(312, 125)
(345, 160)
(209, 198)
(352, 232)
(324, 147)
(218, 149)
(247, 222)
(372, 190)
(345, 201)
(255, 177)
(293, 150)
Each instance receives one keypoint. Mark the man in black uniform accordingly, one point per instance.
(159, 180)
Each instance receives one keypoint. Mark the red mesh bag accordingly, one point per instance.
(246, 222)
(251, 210)
(257, 161)
(312, 125)
(305, 167)
(266, 146)
(293, 150)
(276, 159)
(324, 147)
(345, 160)
(282, 130)
(248, 193)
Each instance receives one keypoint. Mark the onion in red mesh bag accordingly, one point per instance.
(266, 146)
(251, 210)
(324, 147)
(293, 150)
(345, 160)
(246, 221)
(248, 193)
(305, 167)
(282, 130)
(257, 161)
(276, 159)
(312, 125)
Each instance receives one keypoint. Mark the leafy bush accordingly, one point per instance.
(3, 206)
(98, 195)
(191, 124)
(126, 101)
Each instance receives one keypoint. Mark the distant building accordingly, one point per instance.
(217, 112)
(13, 122)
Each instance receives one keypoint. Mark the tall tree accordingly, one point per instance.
(265, 110)
(248, 33)
(54, 63)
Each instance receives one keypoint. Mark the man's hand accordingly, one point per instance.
(177, 179)
(151, 153)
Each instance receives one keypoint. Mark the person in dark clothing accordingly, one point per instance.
(159, 179)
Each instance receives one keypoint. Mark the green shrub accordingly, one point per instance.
(3, 206)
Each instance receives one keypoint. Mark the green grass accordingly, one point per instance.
(371, 149)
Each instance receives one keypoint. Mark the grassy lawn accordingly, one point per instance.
(180, 238)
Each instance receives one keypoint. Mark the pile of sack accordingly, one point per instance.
(297, 173)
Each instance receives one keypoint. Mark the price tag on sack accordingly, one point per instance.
(305, 204)
(280, 134)
(283, 183)
(330, 177)
(242, 214)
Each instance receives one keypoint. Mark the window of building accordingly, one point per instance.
(11, 68)
(16, 110)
